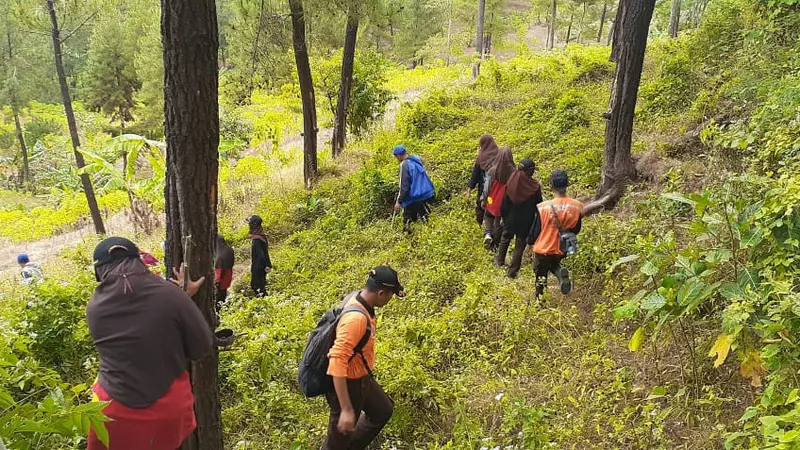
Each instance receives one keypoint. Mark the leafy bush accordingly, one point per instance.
(43, 221)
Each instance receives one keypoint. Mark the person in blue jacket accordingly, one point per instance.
(416, 188)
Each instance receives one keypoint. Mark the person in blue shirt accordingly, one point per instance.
(31, 272)
(416, 188)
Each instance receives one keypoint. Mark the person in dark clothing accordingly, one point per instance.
(545, 237)
(476, 181)
(146, 331)
(519, 211)
(261, 265)
(223, 267)
(416, 188)
(497, 165)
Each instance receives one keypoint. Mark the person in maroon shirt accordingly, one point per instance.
(146, 330)
(223, 264)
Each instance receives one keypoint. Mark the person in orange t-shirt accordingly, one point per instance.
(355, 389)
(545, 238)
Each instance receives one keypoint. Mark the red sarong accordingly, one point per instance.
(164, 425)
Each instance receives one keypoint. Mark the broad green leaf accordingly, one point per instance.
(626, 310)
(719, 255)
(678, 198)
(654, 302)
(732, 438)
(752, 237)
(749, 413)
(790, 437)
(99, 427)
(657, 392)
(721, 348)
(637, 340)
(621, 261)
(649, 269)
(792, 397)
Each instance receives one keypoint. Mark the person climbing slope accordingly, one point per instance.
(261, 264)
(498, 165)
(416, 188)
(519, 211)
(30, 272)
(562, 214)
(146, 330)
(476, 181)
(223, 269)
(355, 389)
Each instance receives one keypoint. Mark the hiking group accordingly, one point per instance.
(147, 329)
(511, 207)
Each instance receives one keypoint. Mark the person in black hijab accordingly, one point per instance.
(261, 265)
(519, 211)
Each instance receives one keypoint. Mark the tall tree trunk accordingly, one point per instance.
(675, 18)
(254, 56)
(348, 59)
(449, 30)
(602, 22)
(476, 67)
(551, 42)
(26, 172)
(580, 24)
(612, 32)
(88, 190)
(191, 110)
(630, 43)
(569, 28)
(310, 171)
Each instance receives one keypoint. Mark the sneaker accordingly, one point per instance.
(487, 240)
(564, 281)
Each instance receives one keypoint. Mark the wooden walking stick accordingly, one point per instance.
(187, 256)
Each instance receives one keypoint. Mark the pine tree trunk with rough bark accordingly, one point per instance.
(675, 18)
(602, 22)
(479, 45)
(310, 167)
(348, 60)
(630, 42)
(26, 171)
(86, 182)
(551, 38)
(191, 110)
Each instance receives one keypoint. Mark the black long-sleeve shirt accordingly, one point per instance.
(260, 257)
(520, 218)
(476, 179)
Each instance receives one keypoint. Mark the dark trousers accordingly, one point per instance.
(414, 213)
(222, 295)
(491, 225)
(365, 395)
(544, 265)
(479, 211)
(258, 283)
(519, 252)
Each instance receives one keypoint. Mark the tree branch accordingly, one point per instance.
(76, 29)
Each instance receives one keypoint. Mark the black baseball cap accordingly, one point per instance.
(254, 220)
(559, 179)
(527, 164)
(113, 249)
(384, 277)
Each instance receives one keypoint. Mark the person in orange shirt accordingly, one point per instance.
(355, 389)
(545, 238)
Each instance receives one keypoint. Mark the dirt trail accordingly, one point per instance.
(46, 249)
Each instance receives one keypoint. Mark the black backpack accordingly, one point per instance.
(313, 377)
